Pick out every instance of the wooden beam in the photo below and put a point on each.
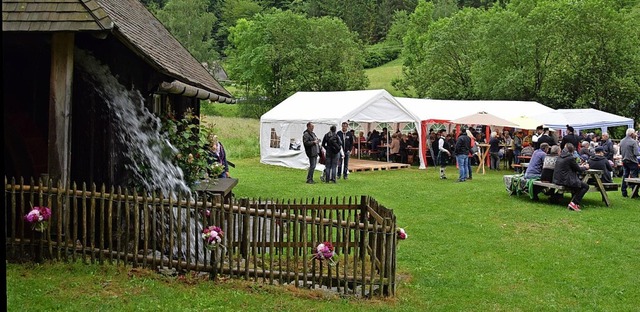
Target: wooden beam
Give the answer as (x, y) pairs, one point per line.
(60, 88)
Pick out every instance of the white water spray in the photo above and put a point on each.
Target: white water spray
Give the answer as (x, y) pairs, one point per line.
(148, 151)
(137, 129)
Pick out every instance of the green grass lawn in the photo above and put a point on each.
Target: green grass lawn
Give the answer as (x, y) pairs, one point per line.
(471, 247)
(381, 77)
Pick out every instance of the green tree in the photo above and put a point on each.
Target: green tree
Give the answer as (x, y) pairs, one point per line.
(414, 43)
(281, 52)
(191, 23)
(506, 65)
(439, 55)
(595, 62)
(232, 11)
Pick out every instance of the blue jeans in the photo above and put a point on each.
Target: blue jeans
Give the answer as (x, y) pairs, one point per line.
(463, 166)
(343, 164)
(312, 167)
(516, 153)
(330, 167)
(629, 170)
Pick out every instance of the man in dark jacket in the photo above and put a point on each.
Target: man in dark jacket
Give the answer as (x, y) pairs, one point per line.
(333, 145)
(311, 147)
(546, 138)
(347, 144)
(570, 137)
(607, 146)
(599, 162)
(463, 146)
(566, 174)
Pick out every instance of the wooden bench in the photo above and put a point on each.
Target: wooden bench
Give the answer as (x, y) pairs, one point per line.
(517, 167)
(560, 189)
(634, 183)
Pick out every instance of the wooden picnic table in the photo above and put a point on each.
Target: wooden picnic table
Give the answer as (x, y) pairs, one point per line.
(594, 174)
(634, 183)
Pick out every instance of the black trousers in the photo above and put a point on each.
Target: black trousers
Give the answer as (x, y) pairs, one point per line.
(578, 193)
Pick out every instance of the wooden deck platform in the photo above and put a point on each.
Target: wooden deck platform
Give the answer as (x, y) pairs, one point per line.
(372, 165)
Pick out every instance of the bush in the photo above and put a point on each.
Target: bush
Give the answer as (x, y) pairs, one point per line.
(191, 141)
(380, 54)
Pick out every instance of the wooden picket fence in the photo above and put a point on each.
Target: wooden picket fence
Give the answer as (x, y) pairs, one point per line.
(271, 241)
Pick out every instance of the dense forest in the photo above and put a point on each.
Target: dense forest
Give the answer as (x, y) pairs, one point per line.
(562, 53)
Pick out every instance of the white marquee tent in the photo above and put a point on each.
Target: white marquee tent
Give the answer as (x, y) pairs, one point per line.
(281, 128)
(430, 111)
(582, 118)
(427, 109)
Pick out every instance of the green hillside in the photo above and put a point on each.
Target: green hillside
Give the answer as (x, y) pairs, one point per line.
(381, 77)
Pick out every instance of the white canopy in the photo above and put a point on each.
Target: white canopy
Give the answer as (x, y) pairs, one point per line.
(281, 128)
(582, 118)
(439, 111)
(429, 109)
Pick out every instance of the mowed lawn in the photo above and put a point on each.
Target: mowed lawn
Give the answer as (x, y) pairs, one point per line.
(471, 247)
(381, 77)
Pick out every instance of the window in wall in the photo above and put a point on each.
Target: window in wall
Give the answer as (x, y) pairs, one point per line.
(409, 128)
(274, 142)
(357, 127)
(437, 127)
(385, 125)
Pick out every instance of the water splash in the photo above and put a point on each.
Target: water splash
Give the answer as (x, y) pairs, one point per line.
(138, 130)
(149, 153)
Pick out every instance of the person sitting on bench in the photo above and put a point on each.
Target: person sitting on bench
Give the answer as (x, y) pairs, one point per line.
(549, 164)
(566, 174)
(600, 162)
(534, 170)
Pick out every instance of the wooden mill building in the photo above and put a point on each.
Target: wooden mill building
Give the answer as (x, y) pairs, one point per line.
(55, 123)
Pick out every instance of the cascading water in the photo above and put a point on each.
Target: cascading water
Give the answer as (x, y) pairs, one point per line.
(148, 151)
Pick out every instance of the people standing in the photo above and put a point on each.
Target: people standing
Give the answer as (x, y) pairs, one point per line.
(347, 144)
(517, 146)
(607, 146)
(442, 150)
(629, 152)
(570, 137)
(566, 174)
(546, 138)
(472, 154)
(463, 146)
(218, 155)
(494, 150)
(536, 136)
(312, 148)
(333, 145)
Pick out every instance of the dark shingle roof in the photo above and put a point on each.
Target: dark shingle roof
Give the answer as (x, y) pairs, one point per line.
(130, 22)
(152, 41)
(54, 15)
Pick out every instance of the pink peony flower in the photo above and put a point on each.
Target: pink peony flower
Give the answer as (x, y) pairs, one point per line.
(212, 235)
(325, 251)
(402, 234)
(38, 217)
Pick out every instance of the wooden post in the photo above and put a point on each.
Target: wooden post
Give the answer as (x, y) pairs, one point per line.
(60, 106)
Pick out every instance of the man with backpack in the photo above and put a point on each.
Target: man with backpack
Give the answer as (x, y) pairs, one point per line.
(333, 145)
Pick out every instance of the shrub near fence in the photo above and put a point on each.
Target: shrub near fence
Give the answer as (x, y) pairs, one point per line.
(271, 241)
